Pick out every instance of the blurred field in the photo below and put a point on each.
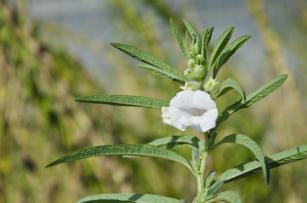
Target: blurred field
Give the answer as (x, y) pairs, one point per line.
(39, 119)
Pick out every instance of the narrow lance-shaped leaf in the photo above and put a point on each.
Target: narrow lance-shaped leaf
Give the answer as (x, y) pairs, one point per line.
(130, 197)
(159, 72)
(119, 150)
(229, 84)
(227, 52)
(253, 97)
(174, 141)
(217, 186)
(149, 59)
(206, 38)
(187, 39)
(203, 43)
(251, 145)
(275, 160)
(265, 90)
(178, 38)
(228, 196)
(190, 29)
(220, 45)
(209, 35)
(124, 100)
(209, 179)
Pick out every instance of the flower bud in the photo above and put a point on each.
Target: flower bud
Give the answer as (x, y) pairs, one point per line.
(191, 85)
(211, 85)
(199, 59)
(199, 72)
(191, 54)
(190, 74)
(191, 63)
(194, 49)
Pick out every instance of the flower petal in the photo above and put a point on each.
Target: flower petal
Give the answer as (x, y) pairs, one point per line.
(179, 119)
(183, 99)
(202, 100)
(207, 121)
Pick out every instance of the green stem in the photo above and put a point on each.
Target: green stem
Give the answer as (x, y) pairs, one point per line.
(201, 172)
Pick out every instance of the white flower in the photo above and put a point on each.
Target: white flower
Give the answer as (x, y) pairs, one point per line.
(192, 108)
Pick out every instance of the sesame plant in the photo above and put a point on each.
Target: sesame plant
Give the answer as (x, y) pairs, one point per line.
(194, 106)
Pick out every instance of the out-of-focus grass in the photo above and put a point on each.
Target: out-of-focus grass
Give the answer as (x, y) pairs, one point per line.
(40, 120)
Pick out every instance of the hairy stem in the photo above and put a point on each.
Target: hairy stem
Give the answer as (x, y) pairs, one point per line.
(200, 173)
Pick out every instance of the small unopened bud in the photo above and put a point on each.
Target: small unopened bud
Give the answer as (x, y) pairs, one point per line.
(191, 54)
(199, 72)
(191, 63)
(190, 74)
(199, 59)
(194, 49)
(211, 85)
(191, 85)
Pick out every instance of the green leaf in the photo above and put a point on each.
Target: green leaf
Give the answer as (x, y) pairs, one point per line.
(149, 59)
(174, 141)
(110, 201)
(217, 186)
(178, 38)
(187, 39)
(209, 35)
(203, 43)
(275, 160)
(220, 45)
(129, 197)
(229, 84)
(265, 90)
(228, 52)
(228, 196)
(209, 179)
(190, 29)
(124, 100)
(159, 72)
(205, 39)
(119, 150)
(251, 145)
(253, 97)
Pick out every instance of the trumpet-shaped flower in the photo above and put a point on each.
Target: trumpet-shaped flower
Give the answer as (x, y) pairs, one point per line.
(192, 108)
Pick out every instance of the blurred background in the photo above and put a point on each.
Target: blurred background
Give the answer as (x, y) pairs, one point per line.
(54, 51)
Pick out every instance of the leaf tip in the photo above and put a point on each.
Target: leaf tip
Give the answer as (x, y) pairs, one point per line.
(79, 99)
(49, 165)
(114, 44)
(247, 37)
(231, 28)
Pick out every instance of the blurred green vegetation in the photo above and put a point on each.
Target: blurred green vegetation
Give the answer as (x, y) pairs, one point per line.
(39, 119)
